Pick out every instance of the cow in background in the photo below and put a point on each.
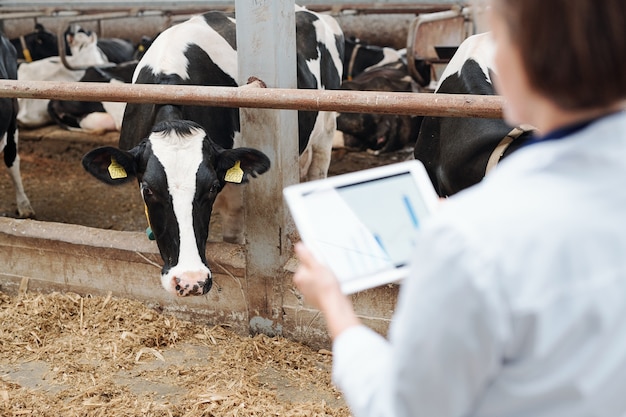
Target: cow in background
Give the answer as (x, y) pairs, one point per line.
(42, 44)
(458, 152)
(360, 56)
(36, 45)
(142, 47)
(184, 156)
(94, 116)
(379, 133)
(116, 50)
(8, 128)
(34, 112)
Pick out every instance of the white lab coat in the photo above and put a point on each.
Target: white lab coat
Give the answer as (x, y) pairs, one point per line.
(516, 305)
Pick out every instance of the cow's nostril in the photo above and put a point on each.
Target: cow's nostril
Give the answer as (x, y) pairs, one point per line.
(207, 285)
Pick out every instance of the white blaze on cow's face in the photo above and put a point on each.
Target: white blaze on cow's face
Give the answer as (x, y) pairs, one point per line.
(181, 157)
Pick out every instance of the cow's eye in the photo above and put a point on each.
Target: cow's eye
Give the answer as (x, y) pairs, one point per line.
(147, 192)
(215, 188)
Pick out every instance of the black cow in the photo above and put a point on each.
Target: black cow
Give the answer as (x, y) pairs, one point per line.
(379, 133)
(93, 116)
(36, 45)
(8, 128)
(458, 152)
(183, 156)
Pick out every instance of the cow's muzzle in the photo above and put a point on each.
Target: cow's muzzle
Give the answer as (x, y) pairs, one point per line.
(192, 283)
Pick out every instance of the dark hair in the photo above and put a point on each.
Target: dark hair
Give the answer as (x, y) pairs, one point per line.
(574, 51)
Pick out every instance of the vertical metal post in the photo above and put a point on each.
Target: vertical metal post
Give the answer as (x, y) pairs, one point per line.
(266, 49)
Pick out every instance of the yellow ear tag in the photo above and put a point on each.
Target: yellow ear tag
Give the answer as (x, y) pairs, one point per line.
(27, 56)
(235, 174)
(116, 171)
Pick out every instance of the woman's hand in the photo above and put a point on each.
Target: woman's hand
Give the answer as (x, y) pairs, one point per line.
(314, 280)
(320, 288)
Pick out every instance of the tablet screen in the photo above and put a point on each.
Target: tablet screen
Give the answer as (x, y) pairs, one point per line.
(365, 227)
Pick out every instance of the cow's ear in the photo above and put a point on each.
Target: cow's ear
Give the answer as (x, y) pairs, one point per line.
(236, 165)
(110, 165)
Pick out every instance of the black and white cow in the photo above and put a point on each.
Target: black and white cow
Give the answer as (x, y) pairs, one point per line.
(36, 45)
(458, 152)
(42, 44)
(379, 133)
(94, 116)
(361, 56)
(34, 112)
(116, 50)
(183, 156)
(8, 128)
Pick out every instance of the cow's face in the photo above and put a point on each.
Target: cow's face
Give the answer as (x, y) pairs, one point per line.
(78, 39)
(180, 171)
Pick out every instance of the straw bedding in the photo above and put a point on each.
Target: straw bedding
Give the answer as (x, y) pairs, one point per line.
(63, 354)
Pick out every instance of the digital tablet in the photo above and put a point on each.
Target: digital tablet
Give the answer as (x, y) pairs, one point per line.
(363, 224)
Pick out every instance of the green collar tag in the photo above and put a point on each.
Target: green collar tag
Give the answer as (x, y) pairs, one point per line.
(149, 231)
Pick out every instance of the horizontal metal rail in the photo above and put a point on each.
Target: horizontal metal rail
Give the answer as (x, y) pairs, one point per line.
(425, 104)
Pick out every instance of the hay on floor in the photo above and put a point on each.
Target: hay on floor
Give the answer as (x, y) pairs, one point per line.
(62, 354)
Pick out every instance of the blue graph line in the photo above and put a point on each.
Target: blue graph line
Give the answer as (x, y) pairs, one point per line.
(380, 243)
(409, 209)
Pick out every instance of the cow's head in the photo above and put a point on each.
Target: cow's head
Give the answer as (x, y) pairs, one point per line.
(41, 43)
(77, 39)
(180, 171)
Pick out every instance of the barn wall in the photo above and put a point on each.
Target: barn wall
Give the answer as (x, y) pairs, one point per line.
(65, 257)
(382, 28)
(377, 29)
(44, 257)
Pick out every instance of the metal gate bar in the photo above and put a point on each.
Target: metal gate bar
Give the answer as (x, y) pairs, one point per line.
(426, 104)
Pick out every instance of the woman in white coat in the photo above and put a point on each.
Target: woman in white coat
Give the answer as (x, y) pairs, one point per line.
(517, 298)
